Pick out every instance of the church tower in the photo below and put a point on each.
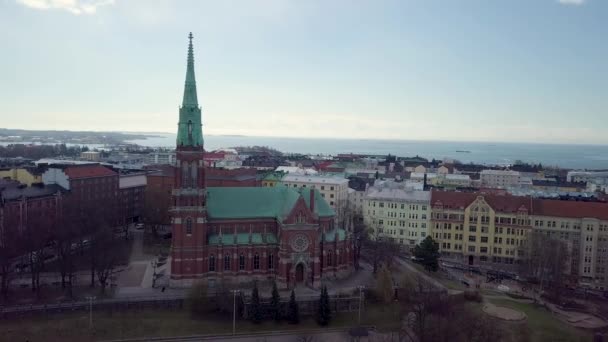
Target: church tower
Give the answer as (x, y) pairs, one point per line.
(189, 209)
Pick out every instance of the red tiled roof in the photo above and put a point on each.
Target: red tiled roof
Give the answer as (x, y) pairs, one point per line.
(571, 209)
(88, 171)
(511, 204)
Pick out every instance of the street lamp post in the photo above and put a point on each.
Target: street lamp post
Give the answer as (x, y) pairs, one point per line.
(91, 298)
(361, 287)
(154, 265)
(234, 292)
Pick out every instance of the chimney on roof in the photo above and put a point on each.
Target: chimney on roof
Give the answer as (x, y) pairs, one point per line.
(312, 200)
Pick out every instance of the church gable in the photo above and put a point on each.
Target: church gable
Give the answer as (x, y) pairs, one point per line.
(300, 213)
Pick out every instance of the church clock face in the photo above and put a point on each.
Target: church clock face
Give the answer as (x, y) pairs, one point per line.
(299, 243)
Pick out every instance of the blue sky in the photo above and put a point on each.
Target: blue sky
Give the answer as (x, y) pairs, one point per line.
(473, 70)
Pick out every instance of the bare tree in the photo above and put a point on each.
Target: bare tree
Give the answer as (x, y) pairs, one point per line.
(9, 235)
(36, 235)
(66, 244)
(109, 252)
(430, 314)
(156, 209)
(380, 250)
(545, 260)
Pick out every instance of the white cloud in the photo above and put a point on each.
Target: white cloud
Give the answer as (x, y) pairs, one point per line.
(76, 7)
(571, 2)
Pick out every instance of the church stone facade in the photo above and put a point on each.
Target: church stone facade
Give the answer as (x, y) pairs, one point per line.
(240, 234)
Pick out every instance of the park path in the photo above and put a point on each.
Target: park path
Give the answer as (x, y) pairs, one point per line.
(405, 265)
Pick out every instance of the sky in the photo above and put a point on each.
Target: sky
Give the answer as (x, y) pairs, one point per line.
(458, 70)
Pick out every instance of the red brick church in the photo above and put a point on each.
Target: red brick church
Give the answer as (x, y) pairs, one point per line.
(241, 234)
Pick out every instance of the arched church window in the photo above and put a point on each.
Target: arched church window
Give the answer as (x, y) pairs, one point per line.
(227, 262)
(212, 263)
(189, 226)
(193, 174)
(241, 262)
(270, 261)
(185, 175)
(190, 131)
(256, 261)
(329, 258)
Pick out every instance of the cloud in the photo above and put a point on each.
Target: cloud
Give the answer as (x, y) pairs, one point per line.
(76, 7)
(571, 2)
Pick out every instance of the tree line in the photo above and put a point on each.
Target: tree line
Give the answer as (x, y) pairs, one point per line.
(75, 237)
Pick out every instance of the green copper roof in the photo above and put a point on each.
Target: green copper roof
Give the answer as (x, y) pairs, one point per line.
(330, 236)
(274, 176)
(243, 239)
(189, 128)
(260, 202)
(321, 207)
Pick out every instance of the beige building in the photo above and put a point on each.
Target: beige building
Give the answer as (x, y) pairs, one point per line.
(490, 231)
(90, 155)
(499, 178)
(22, 175)
(399, 213)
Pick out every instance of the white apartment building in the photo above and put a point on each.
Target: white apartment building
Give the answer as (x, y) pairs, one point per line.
(454, 180)
(595, 177)
(499, 178)
(355, 201)
(398, 213)
(161, 158)
(333, 189)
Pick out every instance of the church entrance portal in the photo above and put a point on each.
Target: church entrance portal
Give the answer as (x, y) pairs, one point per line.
(299, 273)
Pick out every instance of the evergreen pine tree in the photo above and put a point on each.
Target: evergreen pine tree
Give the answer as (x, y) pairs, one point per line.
(275, 303)
(293, 311)
(255, 309)
(324, 311)
(428, 254)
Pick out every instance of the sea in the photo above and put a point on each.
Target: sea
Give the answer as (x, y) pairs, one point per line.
(572, 156)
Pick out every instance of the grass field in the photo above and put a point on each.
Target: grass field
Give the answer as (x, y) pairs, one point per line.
(542, 325)
(150, 323)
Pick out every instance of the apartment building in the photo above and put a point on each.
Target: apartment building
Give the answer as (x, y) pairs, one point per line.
(595, 177)
(499, 178)
(491, 230)
(399, 213)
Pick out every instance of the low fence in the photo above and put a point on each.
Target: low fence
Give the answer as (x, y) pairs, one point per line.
(110, 305)
(307, 305)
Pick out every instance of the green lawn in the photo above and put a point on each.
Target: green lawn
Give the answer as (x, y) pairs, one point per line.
(542, 325)
(150, 323)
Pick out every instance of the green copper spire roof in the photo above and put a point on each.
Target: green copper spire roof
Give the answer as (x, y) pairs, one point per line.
(190, 88)
(189, 128)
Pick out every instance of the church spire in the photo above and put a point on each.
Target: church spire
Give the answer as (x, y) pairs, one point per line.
(189, 127)
(190, 98)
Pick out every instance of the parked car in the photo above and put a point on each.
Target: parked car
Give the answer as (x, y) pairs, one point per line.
(139, 226)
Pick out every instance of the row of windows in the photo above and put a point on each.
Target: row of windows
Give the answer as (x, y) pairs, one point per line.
(392, 205)
(227, 264)
(331, 188)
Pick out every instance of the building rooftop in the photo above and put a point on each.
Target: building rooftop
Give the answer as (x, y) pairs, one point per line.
(88, 171)
(38, 190)
(500, 172)
(260, 202)
(457, 177)
(512, 204)
(314, 179)
(397, 194)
